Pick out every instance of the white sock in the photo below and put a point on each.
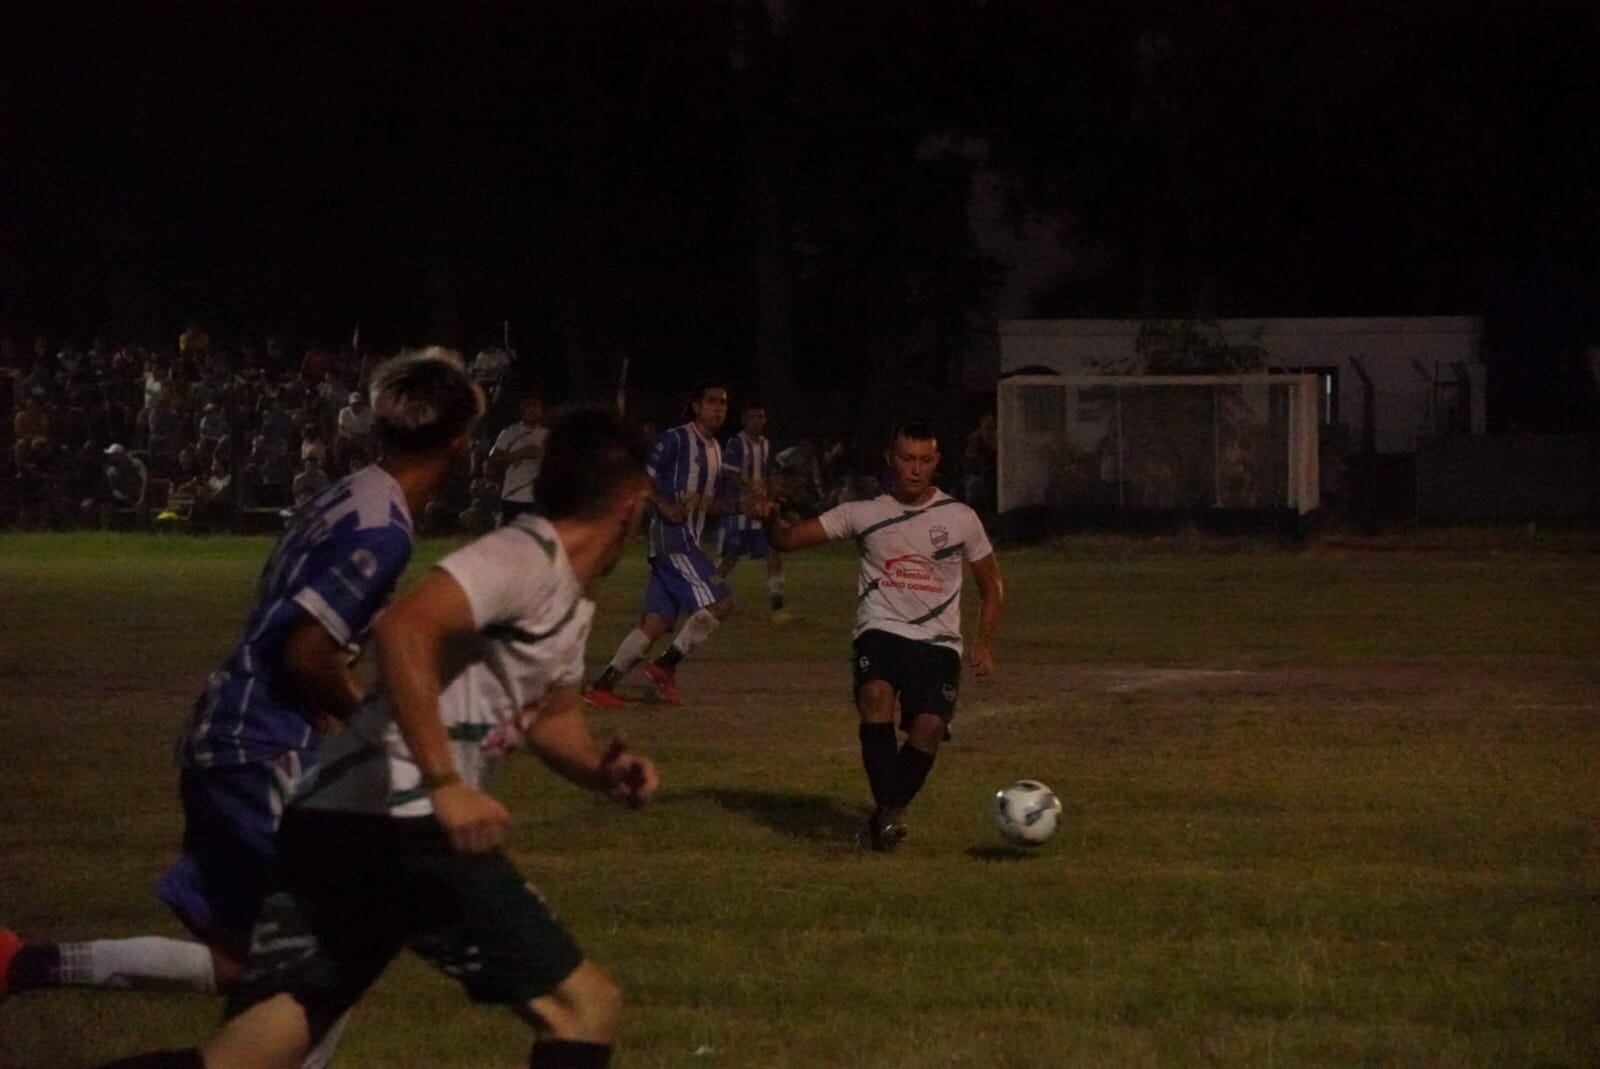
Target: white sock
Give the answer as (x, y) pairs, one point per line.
(695, 630)
(775, 585)
(139, 962)
(322, 1053)
(630, 653)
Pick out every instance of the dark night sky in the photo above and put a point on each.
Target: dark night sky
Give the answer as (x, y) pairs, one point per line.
(601, 173)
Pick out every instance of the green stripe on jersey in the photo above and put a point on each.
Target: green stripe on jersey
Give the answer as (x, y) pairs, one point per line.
(910, 514)
(333, 771)
(400, 798)
(513, 633)
(936, 610)
(545, 544)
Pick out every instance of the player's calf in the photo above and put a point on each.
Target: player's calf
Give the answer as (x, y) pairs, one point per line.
(577, 1021)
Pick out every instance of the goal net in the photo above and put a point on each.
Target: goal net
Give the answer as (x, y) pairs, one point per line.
(1121, 443)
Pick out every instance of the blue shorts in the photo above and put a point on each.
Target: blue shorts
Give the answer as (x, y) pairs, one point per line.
(683, 583)
(741, 541)
(230, 845)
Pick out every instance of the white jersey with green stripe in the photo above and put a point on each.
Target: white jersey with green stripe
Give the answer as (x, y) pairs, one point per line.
(909, 580)
(532, 624)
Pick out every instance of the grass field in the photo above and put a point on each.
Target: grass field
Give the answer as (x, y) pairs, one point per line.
(1330, 806)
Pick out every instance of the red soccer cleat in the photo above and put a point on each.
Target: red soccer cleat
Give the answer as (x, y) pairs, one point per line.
(604, 699)
(9, 945)
(665, 681)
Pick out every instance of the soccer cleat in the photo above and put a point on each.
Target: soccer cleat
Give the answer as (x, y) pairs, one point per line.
(665, 681)
(883, 833)
(10, 943)
(604, 699)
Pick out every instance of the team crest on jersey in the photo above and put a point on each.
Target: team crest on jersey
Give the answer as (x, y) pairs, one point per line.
(949, 692)
(938, 536)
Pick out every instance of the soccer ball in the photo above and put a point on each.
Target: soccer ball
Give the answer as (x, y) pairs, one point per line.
(1027, 812)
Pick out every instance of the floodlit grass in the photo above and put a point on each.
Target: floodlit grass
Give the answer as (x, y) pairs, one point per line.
(1334, 806)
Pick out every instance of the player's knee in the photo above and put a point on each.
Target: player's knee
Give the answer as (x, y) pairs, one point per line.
(722, 609)
(586, 1006)
(927, 732)
(875, 701)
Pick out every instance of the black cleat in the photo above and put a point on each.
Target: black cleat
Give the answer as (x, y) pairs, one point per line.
(882, 833)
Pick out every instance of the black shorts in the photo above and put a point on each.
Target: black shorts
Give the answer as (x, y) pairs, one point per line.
(925, 676)
(357, 888)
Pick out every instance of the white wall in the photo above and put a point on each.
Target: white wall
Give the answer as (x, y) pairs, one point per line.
(1402, 354)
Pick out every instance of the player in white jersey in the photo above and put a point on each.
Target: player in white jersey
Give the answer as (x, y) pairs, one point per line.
(687, 488)
(907, 643)
(253, 731)
(747, 456)
(515, 457)
(393, 843)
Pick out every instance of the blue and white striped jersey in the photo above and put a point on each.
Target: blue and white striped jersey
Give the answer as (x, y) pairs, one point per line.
(750, 459)
(686, 467)
(339, 561)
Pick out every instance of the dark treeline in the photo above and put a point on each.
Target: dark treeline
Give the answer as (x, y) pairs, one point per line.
(785, 187)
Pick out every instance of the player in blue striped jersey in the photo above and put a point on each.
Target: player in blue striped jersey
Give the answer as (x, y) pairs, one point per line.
(254, 730)
(687, 488)
(747, 457)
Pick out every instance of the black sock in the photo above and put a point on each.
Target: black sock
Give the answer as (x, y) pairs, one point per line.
(777, 602)
(877, 757)
(670, 657)
(910, 772)
(163, 1059)
(608, 679)
(569, 1054)
(34, 965)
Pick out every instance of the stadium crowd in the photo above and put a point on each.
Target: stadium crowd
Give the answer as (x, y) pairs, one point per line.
(217, 437)
(208, 435)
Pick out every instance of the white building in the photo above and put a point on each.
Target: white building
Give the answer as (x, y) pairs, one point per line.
(1389, 380)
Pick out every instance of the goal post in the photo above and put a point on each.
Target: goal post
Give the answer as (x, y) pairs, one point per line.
(1108, 444)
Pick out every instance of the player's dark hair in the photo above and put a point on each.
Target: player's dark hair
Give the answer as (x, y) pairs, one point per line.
(698, 392)
(423, 401)
(755, 402)
(915, 430)
(591, 454)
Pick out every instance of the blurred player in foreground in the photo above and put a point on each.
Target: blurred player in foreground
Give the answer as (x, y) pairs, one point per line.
(255, 729)
(392, 842)
(907, 645)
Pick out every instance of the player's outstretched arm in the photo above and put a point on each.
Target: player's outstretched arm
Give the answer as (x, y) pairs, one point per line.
(560, 736)
(991, 598)
(787, 537)
(409, 638)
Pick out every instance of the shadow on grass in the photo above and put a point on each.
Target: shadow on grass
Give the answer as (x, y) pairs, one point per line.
(999, 853)
(802, 816)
